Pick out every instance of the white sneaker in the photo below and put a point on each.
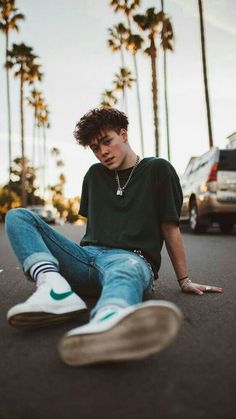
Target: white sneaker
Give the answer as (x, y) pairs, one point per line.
(131, 333)
(45, 307)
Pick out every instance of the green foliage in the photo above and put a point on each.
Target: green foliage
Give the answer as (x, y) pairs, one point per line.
(9, 16)
(22, 60)
(73, 209)
(10, 194)
(108, 99)
(8, 200)
(32, 192)
(59, 202)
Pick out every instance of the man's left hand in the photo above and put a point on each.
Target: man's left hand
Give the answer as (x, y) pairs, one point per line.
(199, 289)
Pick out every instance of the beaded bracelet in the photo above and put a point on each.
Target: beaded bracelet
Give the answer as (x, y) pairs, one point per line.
(181, 279)
(186, 284)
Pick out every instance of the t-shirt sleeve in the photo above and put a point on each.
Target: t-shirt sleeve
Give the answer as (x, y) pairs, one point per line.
(169, 193)
(84, 199)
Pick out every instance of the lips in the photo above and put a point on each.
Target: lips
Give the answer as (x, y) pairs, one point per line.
(109, 160)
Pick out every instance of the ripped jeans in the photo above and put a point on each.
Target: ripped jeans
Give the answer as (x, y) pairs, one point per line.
(117, 276)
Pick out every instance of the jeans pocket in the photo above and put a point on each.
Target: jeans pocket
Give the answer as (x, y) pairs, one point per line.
(150, 277)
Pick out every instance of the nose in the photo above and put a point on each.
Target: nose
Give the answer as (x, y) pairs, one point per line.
(104, 150)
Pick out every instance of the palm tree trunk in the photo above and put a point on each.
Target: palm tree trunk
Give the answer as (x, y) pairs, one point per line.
(44, 161)
(34, 136)
(23, 176)
(139, 104)
(8, 112)
(40, 160)
(34, 147)
(166, 108)
(204, 65)
(124, 93)
(166, 96)
(153, 54)
(138, 95)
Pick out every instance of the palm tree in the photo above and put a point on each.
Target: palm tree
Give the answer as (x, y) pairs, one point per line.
(154, 23)
(133, 44)
(108, 99)
(37, 102)
(123, 80)
(116, 41)
(128, 6)
(55, 152)
(22, 59)
(164, 33)
(43, 122)
(204, 66)
(9, 18)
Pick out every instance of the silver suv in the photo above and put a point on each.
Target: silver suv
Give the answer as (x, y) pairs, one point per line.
(209, 189)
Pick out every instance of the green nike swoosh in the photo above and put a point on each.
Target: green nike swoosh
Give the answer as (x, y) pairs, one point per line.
(60, 296)
(107, 316)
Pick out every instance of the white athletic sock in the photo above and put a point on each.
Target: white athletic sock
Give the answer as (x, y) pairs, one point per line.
(42, 267)
(46, 272)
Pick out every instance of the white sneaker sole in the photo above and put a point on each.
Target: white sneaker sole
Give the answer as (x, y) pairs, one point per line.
(141, 333)
(34, 319)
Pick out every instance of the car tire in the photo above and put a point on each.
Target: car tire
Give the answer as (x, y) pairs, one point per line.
(194, 223)
(226, 226)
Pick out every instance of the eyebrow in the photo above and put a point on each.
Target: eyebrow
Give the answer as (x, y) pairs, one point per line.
(102, 138)
(99, 141)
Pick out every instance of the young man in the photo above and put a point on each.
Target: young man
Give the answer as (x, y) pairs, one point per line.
(132, 205)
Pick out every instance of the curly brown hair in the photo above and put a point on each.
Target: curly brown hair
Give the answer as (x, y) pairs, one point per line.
(91, 125)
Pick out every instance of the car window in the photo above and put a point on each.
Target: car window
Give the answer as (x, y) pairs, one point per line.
(227, 160)
(195, 166)
(188, 169)
(207, 157)
(205, 160)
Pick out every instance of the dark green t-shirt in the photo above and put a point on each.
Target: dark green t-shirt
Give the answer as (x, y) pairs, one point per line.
(131, 221)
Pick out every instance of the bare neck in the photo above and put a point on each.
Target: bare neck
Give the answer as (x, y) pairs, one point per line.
(130, 160)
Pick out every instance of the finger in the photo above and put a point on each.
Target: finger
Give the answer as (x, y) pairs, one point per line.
(208, 288)
(197, 290)
(192, 288)
(202, 287)
(216, 289)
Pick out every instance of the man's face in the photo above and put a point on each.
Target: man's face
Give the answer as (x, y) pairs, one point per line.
(111, 149)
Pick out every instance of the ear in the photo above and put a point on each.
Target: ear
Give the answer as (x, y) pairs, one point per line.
(124, 134)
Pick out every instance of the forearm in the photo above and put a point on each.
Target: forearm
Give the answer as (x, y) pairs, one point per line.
(175, 248)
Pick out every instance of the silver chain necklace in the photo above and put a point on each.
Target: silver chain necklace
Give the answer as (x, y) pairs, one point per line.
(120, 190)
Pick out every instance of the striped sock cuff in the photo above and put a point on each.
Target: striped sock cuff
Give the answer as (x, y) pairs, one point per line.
(42, 267)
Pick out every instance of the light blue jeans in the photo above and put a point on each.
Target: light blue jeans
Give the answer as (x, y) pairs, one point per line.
(117, 276)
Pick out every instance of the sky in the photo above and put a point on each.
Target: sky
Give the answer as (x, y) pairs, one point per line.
(70, 39)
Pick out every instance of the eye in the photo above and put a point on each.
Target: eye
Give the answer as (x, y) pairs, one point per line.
(94, 149)
(107, 141)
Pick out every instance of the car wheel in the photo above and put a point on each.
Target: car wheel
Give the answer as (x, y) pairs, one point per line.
(226, 226)
(194, 221)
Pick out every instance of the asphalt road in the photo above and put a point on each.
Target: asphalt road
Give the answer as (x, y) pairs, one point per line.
(195, 378)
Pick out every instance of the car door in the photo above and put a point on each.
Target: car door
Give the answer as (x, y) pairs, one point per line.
(186, 181)
(226, 178)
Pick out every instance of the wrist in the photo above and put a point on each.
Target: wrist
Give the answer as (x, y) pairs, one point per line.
(183, 278)
(185, 283)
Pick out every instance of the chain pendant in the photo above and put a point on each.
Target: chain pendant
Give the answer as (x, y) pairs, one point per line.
(119, 192)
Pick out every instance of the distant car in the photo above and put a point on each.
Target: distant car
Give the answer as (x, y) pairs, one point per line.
(48, 215)
(209, 189)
